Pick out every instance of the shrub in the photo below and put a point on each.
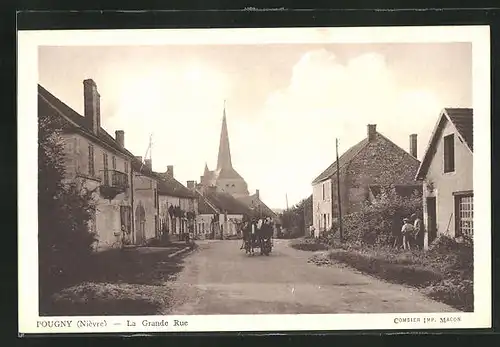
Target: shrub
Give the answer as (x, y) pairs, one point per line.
(311, 245)
(377, 221)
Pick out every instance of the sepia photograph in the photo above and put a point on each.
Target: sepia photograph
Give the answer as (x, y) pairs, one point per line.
(320, 178)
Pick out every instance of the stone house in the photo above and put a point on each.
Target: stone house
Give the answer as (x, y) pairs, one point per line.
(178, 205)
(447, 175)
(220, 214)
(375, 160)
(97, 161)
(145, 202)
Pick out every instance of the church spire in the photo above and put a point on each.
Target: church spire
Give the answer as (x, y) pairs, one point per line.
(224, 158)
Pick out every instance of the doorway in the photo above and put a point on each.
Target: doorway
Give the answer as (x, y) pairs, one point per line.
(431, 218)
(140, 226)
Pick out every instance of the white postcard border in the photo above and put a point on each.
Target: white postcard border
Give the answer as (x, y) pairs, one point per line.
(28, 43)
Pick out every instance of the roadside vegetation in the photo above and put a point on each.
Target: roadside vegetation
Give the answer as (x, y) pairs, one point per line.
(444, 272)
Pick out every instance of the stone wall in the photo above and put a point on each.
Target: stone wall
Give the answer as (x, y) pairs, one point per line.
(381, 162)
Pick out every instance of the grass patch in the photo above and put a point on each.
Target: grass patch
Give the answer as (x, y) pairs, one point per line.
(115, 282)
(442, 273)
(311, 245)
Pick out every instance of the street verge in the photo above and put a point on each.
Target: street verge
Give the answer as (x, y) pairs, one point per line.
(444, 273)
(119, 282)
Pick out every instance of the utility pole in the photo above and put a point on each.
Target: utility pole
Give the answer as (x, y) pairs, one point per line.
(338, 190)
(286, 197)
(305, 224)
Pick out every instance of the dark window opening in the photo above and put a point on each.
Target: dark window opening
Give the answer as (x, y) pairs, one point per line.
(91, 161)
(449, 153)
(105, 165)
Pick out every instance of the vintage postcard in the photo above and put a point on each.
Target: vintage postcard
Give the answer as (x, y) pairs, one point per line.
(200, 180)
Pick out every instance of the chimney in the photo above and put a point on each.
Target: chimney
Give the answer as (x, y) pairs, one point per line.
(170, 171)
(257, 193)
(148, 163)
(191, 185)
(372, 131)
(92, 105)
(413, 145)
(138, 157)
(120, 137)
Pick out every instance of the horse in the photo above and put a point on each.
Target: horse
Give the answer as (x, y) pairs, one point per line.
(248, 238)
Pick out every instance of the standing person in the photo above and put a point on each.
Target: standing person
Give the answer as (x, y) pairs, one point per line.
(246, 233)
(397, 237)
(419, 232)
(406, 232)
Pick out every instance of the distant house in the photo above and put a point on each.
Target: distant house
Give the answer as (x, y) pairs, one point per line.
(375, 160)
(178, 205)
(97, 161)
(446, 171)
(220, 213)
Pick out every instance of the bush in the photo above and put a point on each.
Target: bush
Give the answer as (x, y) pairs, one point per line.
(378, 221)
(311, 245)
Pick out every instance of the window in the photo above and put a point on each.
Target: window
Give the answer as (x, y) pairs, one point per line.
(91, 161)
(449, 153)
(464, 209)
(105, 165)
(323, 187)
(155, 198)
(113, 161)
(126, 166)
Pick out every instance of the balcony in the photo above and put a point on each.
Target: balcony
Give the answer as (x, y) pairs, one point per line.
(113, 183)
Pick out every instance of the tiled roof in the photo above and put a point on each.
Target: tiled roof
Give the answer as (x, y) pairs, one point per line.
(401, 190)
(344, 159)
(79, 120)
(171, 187)
(248, 200)
(462, 120)
(204, 207)
(226, 202)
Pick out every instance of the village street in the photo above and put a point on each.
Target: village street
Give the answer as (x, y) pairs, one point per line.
(219, 278)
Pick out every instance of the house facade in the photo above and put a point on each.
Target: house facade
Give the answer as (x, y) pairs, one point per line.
(447, 175)
(221, 214)
(96, 161)
(146, 203)
(178, 205)
(375, 160)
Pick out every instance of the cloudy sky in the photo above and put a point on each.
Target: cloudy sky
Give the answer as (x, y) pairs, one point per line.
(285, 104)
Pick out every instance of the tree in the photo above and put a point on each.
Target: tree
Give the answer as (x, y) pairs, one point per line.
(298, 217)
(64, 210)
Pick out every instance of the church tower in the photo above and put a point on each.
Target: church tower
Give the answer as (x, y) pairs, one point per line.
(225, 177)
(224, 158)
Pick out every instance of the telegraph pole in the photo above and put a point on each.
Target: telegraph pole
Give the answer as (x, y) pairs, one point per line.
(338, 190)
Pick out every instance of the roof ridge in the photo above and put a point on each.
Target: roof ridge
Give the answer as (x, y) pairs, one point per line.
(363, 143)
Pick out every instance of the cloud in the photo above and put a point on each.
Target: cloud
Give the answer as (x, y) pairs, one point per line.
(291, 141)
(324, 100)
